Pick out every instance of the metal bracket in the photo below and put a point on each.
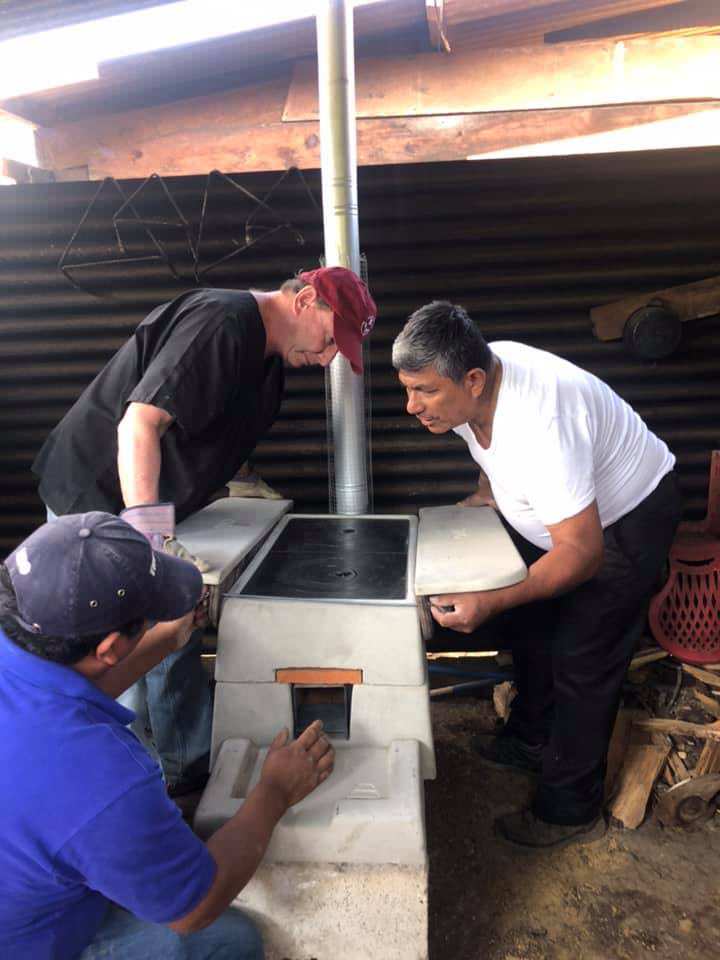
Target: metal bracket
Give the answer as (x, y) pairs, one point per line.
(127, 203)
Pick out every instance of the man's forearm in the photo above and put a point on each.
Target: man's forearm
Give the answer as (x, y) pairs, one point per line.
(237, 848)
(139, 460)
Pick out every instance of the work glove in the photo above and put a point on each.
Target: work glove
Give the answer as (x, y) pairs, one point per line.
(252, 485)
(156, 521)
(176, 549)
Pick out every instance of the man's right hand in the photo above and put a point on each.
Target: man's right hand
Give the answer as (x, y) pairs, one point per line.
(296, 768)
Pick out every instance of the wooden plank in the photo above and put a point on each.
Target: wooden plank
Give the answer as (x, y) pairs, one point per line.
(695, 16)
(649, 656)
(690, 301)
(196, 136)
(24, 172)
(677, 766)
(711, 679)
(709, 760)
(510, 22)
(624, 732)
(708, 703)
(462, 11)
(681, 728)
(523, 78)
(637, 777)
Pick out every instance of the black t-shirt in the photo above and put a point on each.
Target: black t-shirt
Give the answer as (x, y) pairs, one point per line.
(202, 359)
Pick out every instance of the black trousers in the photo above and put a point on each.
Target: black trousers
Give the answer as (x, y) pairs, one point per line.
(571, 655)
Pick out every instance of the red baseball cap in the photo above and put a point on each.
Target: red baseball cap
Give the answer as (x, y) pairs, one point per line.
(353, 308)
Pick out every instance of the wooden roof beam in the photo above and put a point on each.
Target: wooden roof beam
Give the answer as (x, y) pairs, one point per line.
(539, 78)
(687, 18)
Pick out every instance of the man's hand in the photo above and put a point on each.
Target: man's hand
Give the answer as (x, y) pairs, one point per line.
(478, 499)
(466, 611)
(291, 771)
(295, 769)
(575, 557)
(252, 485)
(179, 631)
(482, 497)
(176, 549)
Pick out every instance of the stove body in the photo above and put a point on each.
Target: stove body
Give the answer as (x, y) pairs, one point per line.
(324, 622)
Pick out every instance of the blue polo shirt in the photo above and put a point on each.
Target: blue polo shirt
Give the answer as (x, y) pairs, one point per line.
(84, 816)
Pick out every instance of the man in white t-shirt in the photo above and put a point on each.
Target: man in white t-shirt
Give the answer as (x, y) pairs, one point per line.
(590, 498)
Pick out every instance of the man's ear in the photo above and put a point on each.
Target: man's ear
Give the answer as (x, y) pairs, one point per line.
(305, 298)
(475, 381)
(114, 648)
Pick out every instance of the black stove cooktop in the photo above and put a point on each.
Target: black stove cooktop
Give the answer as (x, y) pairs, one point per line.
(339, 558)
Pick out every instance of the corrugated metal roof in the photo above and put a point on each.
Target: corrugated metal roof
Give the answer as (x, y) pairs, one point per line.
(528, 246)
(18, 17)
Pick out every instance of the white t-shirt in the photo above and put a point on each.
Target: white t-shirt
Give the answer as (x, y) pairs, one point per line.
(561, 438)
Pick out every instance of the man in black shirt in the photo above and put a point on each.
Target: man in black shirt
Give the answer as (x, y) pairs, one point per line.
(172, 417)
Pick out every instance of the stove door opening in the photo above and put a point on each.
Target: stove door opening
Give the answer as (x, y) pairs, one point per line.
(331, 704)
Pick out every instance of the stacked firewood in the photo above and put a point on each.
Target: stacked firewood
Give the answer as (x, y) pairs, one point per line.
(673, 758)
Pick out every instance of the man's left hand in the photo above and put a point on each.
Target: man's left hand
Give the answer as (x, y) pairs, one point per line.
(467, 610)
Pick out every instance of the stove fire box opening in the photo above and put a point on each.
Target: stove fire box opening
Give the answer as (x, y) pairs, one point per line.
(330, 704)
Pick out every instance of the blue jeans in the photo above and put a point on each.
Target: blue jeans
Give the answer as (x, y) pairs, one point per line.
(122, 936)
(173, 712)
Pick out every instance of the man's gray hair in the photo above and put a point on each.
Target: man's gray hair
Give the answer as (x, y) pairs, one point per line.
(441, 335)
(295, 285)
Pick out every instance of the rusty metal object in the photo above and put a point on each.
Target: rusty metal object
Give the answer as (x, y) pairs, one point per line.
(689, 803)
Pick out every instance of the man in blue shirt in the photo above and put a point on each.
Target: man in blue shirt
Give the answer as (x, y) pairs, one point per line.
(95, 860)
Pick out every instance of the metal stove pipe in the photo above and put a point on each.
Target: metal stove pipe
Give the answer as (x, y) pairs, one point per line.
(338, 153)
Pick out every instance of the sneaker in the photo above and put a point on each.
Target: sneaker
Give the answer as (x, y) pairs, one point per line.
(508, 753)
(524, 829)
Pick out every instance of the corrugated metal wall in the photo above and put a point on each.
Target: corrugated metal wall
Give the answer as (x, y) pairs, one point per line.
(528, 246)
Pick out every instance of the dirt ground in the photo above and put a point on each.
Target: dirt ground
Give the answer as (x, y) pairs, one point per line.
(635, 894)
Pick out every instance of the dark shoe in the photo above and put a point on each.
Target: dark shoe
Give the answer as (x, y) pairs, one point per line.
(524, 829)
(508, 753)
(184, 787)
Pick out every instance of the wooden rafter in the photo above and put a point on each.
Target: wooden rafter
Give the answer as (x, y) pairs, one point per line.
(547, 78)
(525, 22)
(689, 18)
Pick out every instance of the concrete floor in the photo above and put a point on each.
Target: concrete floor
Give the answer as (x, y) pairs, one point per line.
(634, 894)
